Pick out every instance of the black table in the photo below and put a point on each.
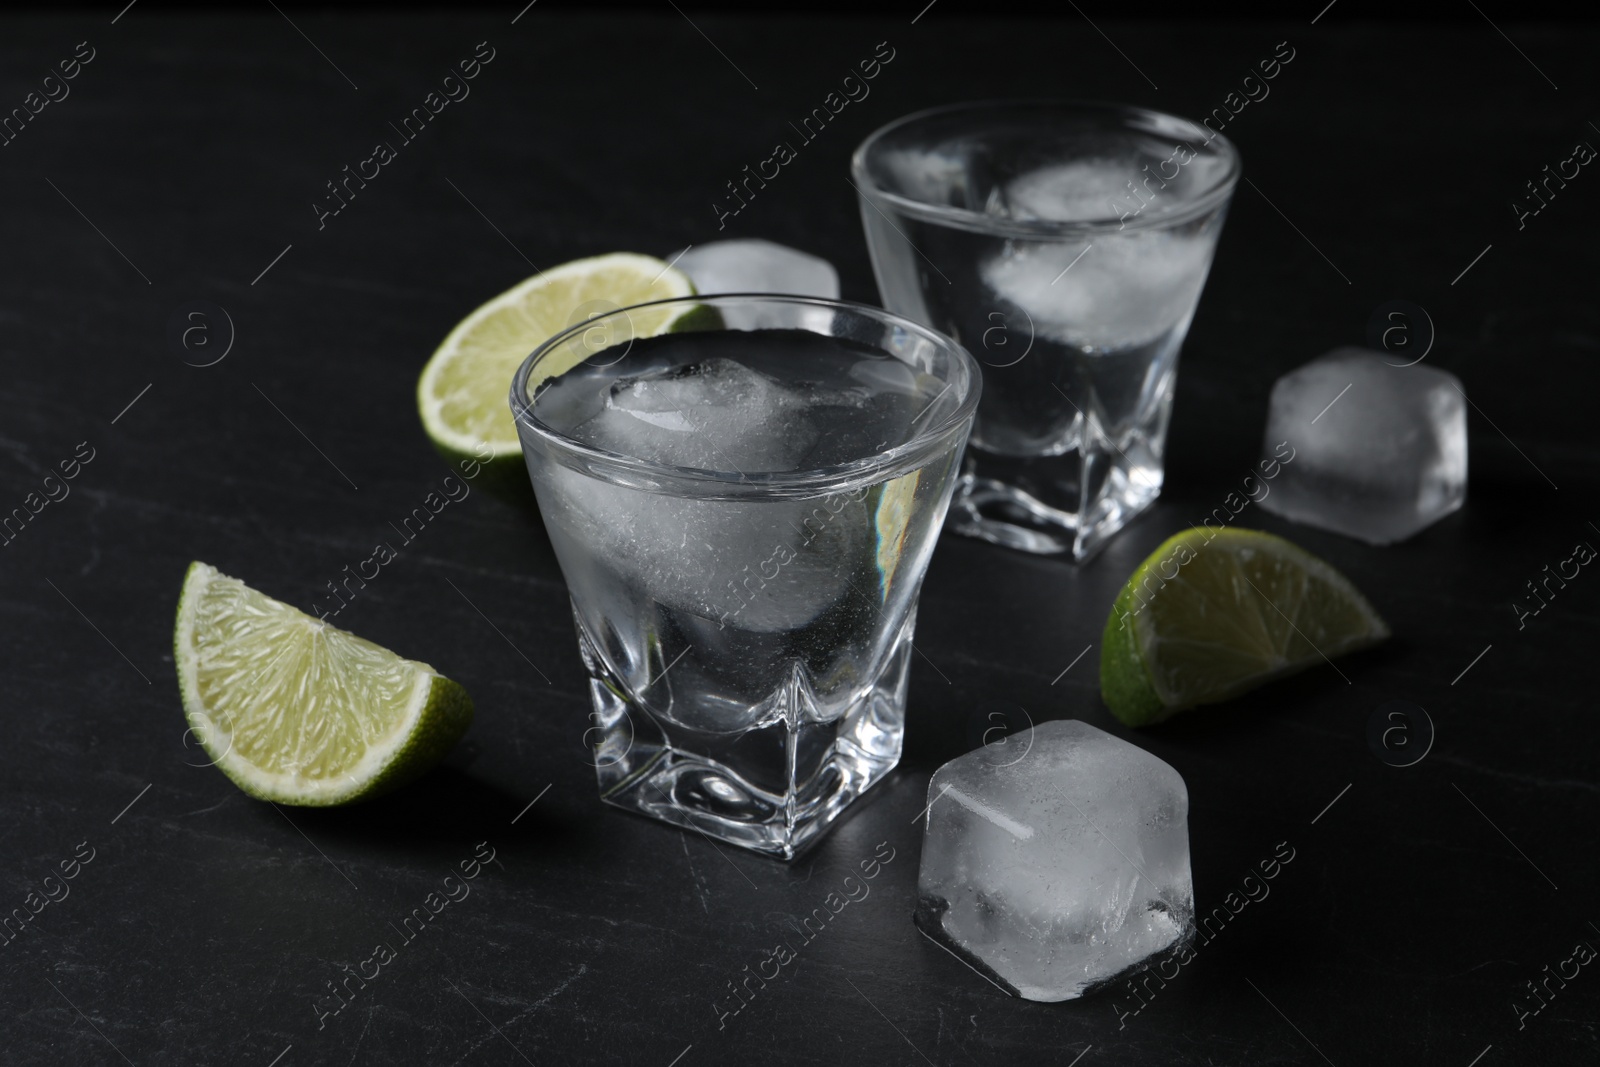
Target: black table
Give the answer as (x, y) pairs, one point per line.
(184, 164)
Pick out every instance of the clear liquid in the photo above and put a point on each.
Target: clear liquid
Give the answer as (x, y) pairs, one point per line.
(748, 653)
(1078, 337)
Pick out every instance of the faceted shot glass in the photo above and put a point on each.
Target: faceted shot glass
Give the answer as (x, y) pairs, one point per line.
(747, 631)
(1065, 245)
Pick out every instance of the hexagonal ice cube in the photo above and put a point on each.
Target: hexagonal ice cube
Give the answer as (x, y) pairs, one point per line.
(1365, 447)
(1057, 861)
(752, 265)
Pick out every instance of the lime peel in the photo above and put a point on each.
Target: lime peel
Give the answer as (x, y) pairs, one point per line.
(1210, 615)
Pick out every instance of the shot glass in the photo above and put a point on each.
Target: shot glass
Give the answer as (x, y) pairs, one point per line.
(743, 515)
(1065, 245)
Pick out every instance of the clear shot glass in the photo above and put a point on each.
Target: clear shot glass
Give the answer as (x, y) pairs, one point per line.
(743, 515)
(1065, 245)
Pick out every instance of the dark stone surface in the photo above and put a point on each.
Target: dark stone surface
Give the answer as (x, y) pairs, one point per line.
(1417, 906)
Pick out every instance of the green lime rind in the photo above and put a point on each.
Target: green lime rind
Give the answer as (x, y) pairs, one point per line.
(1211, 615)
(356, 722)
(1124, 679)
(699, 318)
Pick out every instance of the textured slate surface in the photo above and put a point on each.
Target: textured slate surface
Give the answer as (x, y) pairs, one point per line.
(183, 166)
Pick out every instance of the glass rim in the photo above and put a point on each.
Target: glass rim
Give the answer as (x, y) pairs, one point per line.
(912, 454)
(982, 222)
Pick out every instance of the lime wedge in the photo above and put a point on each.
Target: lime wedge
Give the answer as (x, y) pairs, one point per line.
(462, 393)
(1212, 614)
(298, 712)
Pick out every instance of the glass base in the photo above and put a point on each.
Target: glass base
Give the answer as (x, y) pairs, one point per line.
(1036, 504)
(774, 788)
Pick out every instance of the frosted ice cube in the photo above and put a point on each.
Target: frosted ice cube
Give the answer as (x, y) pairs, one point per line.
(1083, 190)
(1379, 450)
(1080, 190)
(1109, 292)
(767, 566)
(751, 265)
(717, 414)
(1061, 868)
(764, 567)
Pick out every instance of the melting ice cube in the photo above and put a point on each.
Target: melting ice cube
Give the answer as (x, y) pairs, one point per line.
(1078, 190)
(1379, 451)
(717, 414)
(758, 565)
(1105, 290)
(751, 265)
(1058, 869)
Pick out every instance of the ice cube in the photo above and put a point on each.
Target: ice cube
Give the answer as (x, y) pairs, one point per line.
(1058, 860)
(765, 566)
(1083, 190)
(1080, 190)
(717, 414)
(1368, 448)
(1108, 292)
(751, 265)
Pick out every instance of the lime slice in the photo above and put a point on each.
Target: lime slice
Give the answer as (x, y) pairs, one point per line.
(462, 393)
(1212, 614)
(296, 711)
